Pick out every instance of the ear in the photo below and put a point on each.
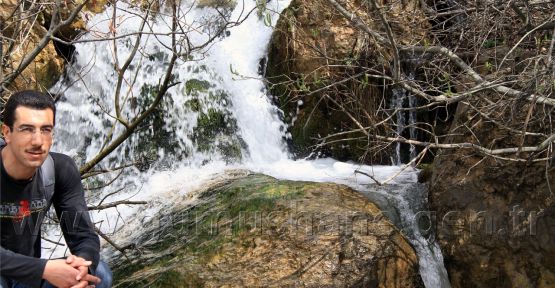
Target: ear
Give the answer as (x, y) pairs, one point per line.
(6, 133)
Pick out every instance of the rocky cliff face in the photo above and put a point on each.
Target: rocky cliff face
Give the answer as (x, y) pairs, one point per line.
(314, 54)
(495, 219)
(23, 29)
(257, 231)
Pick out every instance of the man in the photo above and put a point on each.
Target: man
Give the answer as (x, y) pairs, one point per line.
(28, 125)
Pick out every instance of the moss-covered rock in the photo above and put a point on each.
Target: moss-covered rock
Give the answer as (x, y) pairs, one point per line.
(194, 87)
(154, 134)
(259, 231)
(216, 128)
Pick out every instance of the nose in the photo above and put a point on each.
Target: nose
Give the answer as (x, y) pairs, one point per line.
(37, 139)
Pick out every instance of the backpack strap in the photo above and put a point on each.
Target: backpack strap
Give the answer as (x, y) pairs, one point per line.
(48, 178)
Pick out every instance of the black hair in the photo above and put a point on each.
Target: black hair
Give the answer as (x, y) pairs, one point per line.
(30, 99)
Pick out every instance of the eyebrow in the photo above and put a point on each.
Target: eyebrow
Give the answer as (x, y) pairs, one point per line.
(43, 126)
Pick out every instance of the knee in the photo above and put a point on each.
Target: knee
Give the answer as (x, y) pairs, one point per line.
(105, 274)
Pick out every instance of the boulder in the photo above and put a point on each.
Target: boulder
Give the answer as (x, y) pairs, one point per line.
(254, 230)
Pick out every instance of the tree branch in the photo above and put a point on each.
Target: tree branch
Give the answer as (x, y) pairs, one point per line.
(30, 57)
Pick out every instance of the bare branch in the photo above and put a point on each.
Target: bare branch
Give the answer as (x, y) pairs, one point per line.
(116, 203)
(446, 52)
(55, 25)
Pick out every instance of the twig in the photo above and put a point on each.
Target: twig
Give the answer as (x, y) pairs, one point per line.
(30, 57)
(446, 52)
(420, 155)
(117, 247)
(368, 175)
(520, 41)
(114, 204)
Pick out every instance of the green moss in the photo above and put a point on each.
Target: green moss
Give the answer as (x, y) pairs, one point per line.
(170, 278)
(209, 125)
(122, 271)
(154, 133)
(194, 86)
(222, 217)
(426, 172)
(490, 43)
(232, 150)
(158, 57)
(228, 4)
(166, 278)
(193, 104)
(218, 127)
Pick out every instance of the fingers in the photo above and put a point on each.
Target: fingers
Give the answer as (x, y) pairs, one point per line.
(83, 270)
(76, 261)
(92, 279)
(59, 273)
(81, 284)
(83, 276)
(86, 280)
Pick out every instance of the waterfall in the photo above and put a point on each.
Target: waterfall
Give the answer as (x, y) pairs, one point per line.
(398, 96)
(401, 99)
(218, 116)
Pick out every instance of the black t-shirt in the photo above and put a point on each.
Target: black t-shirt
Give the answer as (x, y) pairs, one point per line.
(22, 210)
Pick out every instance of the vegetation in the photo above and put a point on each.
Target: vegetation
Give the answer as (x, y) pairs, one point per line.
(491, 62)
(197, 233)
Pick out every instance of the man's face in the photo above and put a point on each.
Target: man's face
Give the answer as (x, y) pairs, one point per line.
(30, 138)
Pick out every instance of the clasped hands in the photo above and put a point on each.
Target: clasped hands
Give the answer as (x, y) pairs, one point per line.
(72, 272)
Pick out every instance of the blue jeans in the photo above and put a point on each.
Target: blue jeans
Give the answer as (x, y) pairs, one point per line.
(102, 271)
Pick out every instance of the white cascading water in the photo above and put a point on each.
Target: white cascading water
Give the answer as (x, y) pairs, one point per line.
(412, 123)
(222, 81)
(397, 99)
(401, 99)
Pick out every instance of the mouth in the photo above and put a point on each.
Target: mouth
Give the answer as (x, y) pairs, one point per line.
(35, 154)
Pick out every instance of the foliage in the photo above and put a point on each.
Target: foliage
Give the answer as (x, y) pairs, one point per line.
(492, 61)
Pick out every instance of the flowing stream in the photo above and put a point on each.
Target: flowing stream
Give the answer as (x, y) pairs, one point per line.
(217, 117)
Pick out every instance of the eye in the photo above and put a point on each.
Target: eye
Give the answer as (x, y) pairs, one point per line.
(46, 130)
(26, 129)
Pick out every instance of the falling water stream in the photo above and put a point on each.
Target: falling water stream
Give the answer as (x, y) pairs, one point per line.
(217, 117)
(401, 100)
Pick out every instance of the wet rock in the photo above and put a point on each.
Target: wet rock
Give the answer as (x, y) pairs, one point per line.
(259, 231)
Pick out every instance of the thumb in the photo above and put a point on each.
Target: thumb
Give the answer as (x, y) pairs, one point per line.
(69, 259)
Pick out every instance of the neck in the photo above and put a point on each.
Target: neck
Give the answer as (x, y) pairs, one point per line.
(12, 169)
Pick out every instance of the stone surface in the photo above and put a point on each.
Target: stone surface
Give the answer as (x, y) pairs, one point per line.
(48, 65)
(496, 219)
(315, 47)
(258, 231)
